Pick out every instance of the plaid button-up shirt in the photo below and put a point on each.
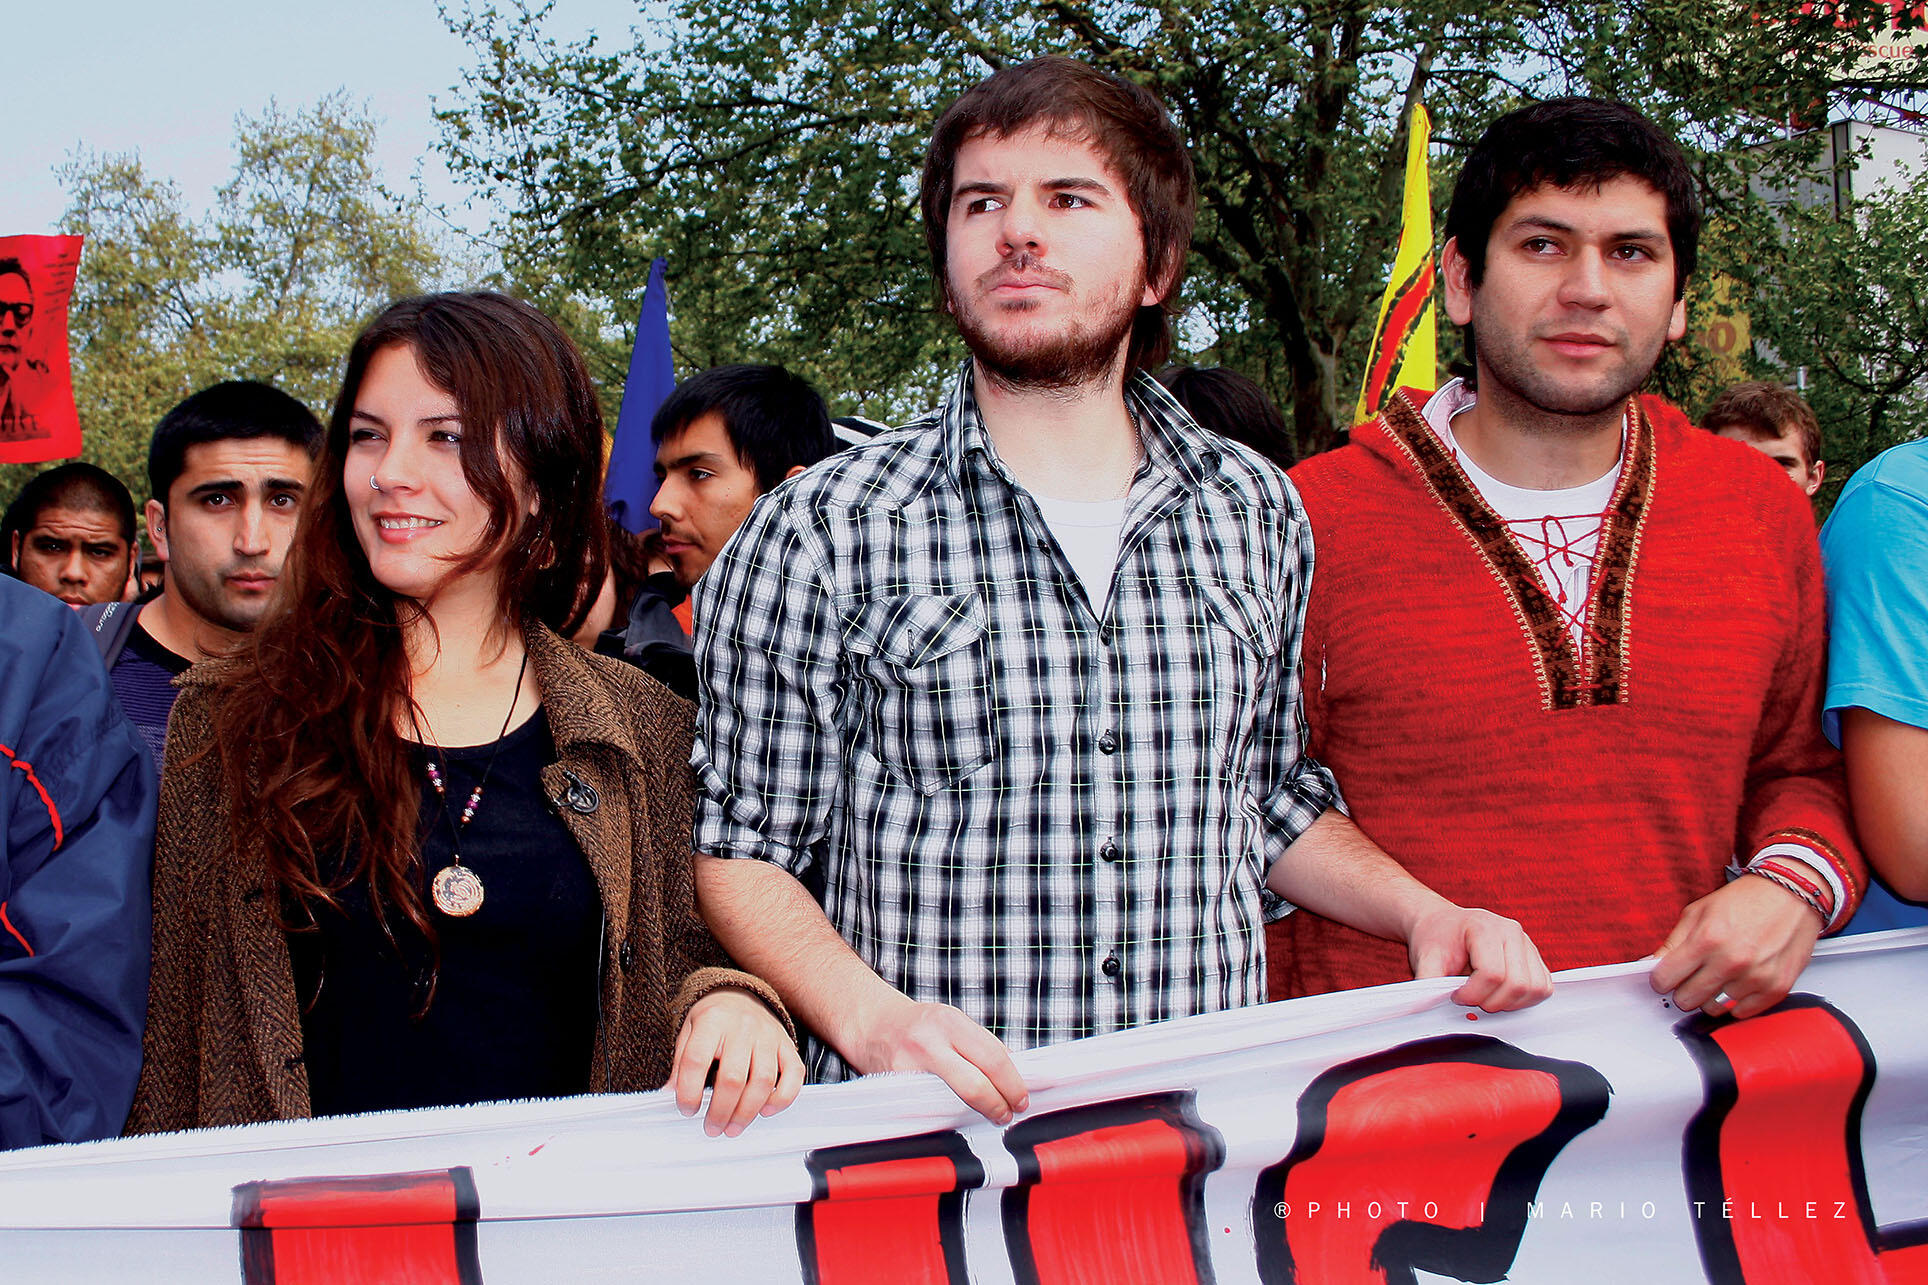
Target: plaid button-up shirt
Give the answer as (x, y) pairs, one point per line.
(1057, 820)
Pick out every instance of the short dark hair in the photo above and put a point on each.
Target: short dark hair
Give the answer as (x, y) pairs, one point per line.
(1572, 143)
(11, 266)
(235, 410)
(75, 485)
(1764, 410)
(1124, 121)
(1229, 404)
(775, 419)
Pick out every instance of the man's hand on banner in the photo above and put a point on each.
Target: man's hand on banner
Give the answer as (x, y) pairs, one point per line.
(1502, 966)
(909, 1036)
(1737, 951)
(770, 925)
(1334, 869)
(758, 1071)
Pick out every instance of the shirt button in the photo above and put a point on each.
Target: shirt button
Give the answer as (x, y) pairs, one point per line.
(1108, 742)
(1111, 967)
(1110, 850)
(626, 956)
(1105, 633)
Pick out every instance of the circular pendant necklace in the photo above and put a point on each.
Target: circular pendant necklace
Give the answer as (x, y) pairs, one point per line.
(456, 889)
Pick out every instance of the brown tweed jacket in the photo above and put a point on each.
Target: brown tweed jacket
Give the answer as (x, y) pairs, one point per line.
(223, 1042)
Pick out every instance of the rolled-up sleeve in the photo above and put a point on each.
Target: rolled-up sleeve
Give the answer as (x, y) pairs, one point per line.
(1294, 789)
(768, 751)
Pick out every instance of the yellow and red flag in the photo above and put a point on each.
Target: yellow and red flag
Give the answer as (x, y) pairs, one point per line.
(1403, 345)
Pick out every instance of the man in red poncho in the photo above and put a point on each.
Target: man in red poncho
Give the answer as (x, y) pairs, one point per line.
(1564, 652)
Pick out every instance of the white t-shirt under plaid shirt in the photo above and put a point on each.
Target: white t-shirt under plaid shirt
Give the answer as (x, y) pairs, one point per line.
(1058, 822)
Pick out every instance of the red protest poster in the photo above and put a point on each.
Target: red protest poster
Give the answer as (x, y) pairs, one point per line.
(37, 418)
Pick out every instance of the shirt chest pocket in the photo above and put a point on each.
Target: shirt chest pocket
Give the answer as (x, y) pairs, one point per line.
(1243, 658)
(922, 665)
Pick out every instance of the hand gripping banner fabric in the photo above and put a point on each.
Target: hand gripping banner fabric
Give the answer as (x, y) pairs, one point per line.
(1383, 1137)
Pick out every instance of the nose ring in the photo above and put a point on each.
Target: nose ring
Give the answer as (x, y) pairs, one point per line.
(372, 482)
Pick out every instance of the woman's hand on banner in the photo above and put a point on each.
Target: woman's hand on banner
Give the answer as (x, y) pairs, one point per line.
(758, 1071)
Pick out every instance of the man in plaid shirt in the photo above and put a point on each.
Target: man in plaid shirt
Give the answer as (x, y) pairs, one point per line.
(1020, 682)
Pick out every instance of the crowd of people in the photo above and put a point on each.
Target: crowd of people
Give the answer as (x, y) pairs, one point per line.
(1064, 709)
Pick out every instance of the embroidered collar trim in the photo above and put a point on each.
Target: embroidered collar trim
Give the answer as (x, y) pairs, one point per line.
(1597, 673)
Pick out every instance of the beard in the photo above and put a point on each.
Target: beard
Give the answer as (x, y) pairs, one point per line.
(1083, 351)
(205, 596)
(1505, 366)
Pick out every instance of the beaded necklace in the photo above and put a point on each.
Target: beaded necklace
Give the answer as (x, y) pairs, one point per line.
(456, 889)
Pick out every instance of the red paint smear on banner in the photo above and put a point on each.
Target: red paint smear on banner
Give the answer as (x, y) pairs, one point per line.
(881, 1222)
(1785, 1143)
(1110, 1205)
(1437, 1133)
(388, 1199)
(366, 1255)
(1906, 1266)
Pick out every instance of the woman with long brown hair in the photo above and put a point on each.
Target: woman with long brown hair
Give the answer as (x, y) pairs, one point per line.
(415, 848)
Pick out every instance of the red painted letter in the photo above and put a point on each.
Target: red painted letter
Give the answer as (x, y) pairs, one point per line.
(1782, 1128)
(359, 1231)
(888, 1211)
(1425, 1156)
(1112, 1192)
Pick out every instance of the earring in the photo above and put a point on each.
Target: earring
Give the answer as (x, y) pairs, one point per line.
(372, 482)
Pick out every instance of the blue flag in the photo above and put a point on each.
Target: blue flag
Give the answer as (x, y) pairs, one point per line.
(630, 484)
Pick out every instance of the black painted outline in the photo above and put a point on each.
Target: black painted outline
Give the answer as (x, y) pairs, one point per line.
(1476, 1254)
(1205, 1148)
(948, 1145)
(1700, 1144)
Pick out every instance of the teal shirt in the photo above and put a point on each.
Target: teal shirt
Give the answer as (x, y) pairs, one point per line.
(1875, 547)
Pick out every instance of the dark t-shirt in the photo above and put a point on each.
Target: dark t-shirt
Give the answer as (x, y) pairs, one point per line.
(652, 638)
(514, 1006)
(143, 679)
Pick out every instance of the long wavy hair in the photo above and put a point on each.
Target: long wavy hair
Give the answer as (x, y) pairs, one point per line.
(305, 727)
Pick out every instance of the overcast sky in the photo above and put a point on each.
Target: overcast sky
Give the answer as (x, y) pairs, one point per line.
(167, 80)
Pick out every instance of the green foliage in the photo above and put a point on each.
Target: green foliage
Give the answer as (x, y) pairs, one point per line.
(781, 185)
(302, 246)
(1845, 300)
(771, 149)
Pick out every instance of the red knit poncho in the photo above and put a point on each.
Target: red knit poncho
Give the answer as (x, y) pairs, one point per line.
(1589, 796)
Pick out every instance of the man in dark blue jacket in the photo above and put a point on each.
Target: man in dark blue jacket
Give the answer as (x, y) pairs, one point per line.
(77, 794)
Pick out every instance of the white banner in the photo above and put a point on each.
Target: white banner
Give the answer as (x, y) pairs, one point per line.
(1378, 1136)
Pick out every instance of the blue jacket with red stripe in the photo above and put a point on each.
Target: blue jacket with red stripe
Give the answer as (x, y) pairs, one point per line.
(77, 794)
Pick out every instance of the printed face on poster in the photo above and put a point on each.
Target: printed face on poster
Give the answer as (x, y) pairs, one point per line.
(37, 417)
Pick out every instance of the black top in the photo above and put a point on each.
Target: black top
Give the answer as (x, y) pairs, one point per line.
(514, 1009)
(652, 638)
(143, 679)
